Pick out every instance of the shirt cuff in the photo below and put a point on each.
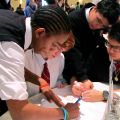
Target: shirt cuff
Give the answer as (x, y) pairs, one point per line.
(13, 90)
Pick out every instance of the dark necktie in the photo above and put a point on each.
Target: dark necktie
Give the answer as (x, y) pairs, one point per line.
(117, 66)
(45, 73)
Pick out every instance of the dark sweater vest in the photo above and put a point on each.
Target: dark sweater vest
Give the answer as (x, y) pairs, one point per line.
(12, 27)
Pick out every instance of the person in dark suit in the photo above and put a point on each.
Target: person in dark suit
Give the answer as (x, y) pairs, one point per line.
(99, 69)
(87, 24)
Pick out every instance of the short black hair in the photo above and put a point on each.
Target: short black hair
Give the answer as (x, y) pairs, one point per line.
(4, 4)
(114, 32)
(52, 18)
(110, 9)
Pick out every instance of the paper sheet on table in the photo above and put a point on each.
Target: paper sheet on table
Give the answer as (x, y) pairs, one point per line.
(89, 111)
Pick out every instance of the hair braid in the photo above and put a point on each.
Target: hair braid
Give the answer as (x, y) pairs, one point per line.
(53, 19)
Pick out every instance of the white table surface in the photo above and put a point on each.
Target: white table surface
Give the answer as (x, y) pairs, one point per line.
(89, 111)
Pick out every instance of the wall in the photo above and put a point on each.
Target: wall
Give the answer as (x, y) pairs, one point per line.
(72, 2)
(95, 1)
(15, 3)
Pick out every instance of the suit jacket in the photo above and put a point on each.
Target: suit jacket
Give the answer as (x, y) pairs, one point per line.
(86, 41)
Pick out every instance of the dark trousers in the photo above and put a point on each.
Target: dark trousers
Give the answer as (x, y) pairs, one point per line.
(3, 107)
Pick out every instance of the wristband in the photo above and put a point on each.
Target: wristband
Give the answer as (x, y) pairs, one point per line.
(65, 113)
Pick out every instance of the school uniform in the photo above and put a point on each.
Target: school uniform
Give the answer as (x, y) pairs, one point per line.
(35, 63)
(99, 67)
(12, 59)
(86, 41)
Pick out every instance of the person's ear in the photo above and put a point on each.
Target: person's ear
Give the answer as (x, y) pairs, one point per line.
(39, 32)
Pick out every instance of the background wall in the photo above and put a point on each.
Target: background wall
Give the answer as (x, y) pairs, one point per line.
(73, 2)
(95, 1)
(15, 3)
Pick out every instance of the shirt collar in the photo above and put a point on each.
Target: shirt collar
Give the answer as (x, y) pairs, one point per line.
(87, 11)
(39, 56)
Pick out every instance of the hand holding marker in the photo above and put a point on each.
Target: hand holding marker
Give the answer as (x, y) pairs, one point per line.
(78, 100)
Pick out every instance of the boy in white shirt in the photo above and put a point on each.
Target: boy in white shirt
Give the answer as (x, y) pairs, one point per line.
(51, 53)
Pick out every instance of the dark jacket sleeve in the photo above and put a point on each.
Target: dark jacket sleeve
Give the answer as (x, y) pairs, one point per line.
(74, 66)
(98, 65)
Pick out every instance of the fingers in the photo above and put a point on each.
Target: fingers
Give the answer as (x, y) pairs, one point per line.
(92, 96)
(85, 96)
(73, 110)
(88, 84)
(92, 86)
(87, 99)
(76, 91)
(78, 88)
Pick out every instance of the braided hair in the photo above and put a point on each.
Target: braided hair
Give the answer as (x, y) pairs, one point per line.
(53, 19)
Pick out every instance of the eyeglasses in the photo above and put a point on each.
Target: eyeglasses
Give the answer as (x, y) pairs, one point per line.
(58, 46)
(62, 47)
(65, 46)
(114, 48)
(100, 20)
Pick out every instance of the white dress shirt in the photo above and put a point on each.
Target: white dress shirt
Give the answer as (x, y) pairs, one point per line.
(12, 62)
(35, 63)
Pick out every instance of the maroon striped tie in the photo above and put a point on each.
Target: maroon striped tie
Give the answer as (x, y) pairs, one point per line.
(45, 73)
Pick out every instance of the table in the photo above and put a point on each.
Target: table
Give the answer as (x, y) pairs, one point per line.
(89, 111)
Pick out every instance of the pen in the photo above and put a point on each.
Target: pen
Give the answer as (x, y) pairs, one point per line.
(78, 99)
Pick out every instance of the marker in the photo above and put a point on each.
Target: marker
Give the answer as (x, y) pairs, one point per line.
(78, 100)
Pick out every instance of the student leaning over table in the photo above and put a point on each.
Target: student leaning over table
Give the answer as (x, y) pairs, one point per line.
(87, 24)
(50, 53)
(14, 31)
(112, 47)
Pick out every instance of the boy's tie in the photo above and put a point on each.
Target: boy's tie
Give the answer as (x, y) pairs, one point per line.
(45, 73)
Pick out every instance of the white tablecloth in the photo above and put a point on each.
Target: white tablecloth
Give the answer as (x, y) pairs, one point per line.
(89, 111)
